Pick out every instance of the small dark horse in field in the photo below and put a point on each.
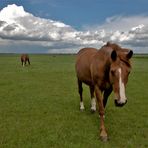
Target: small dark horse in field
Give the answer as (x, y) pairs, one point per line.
(25, 59)
(104, 71)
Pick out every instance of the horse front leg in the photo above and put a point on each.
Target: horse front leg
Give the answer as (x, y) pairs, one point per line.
(99, 97)
(25, 63)
(107, 92)
(22, 63)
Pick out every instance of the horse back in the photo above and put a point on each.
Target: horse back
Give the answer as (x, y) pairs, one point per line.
(24, 57)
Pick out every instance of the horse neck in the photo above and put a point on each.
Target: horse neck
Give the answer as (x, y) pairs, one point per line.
(104, 57)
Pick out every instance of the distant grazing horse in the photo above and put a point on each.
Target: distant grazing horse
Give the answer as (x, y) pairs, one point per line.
(104, 71)
(25, 59)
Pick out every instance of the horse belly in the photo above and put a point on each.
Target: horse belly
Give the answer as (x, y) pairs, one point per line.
(83, 74)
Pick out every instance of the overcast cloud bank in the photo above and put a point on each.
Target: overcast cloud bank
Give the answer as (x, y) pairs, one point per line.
(21, 31)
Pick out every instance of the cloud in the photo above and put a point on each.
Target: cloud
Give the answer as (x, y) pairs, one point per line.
(19, 25)
(20, 29)
(128, 31)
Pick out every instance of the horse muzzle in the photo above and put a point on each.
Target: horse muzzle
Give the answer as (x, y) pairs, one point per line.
(119, 104)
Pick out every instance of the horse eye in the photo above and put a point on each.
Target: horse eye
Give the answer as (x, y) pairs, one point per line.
(128, 72)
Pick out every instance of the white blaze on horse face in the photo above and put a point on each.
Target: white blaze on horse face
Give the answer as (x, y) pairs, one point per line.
(93, 104)
(121, 88)
(81, 106)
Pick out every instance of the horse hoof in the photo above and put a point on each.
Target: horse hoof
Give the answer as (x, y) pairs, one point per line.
(104, 138)
(82, 109)
(92, 111)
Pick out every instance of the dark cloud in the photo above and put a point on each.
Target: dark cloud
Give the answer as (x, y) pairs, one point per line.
(9, 28)
(2, 23)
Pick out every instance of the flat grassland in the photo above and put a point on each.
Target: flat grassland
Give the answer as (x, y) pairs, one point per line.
(39, 106)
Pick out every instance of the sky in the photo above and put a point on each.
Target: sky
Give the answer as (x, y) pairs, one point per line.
(66, 26)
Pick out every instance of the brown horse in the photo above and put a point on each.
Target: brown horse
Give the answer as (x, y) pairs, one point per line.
(104, 71)
(25, 59)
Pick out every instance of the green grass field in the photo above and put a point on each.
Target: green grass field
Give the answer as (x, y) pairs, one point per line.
(39, 106)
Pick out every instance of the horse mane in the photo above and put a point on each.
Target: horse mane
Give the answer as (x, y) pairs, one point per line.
(121, 52)
(113, 46)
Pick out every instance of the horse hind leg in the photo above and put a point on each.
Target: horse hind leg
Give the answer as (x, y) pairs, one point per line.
(80, 89)
(28, 61)
(93, 100)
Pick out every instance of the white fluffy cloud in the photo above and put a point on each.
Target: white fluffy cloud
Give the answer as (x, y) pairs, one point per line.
(20, 29)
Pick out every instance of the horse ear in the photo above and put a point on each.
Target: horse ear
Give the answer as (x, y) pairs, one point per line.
(130, 54)
(114, 55)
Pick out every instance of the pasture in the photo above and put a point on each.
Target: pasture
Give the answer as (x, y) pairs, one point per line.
(39, 106)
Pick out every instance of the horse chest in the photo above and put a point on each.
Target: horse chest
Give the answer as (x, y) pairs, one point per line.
(104, 85)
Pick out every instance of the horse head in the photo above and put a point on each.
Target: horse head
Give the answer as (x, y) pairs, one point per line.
(119, 71)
